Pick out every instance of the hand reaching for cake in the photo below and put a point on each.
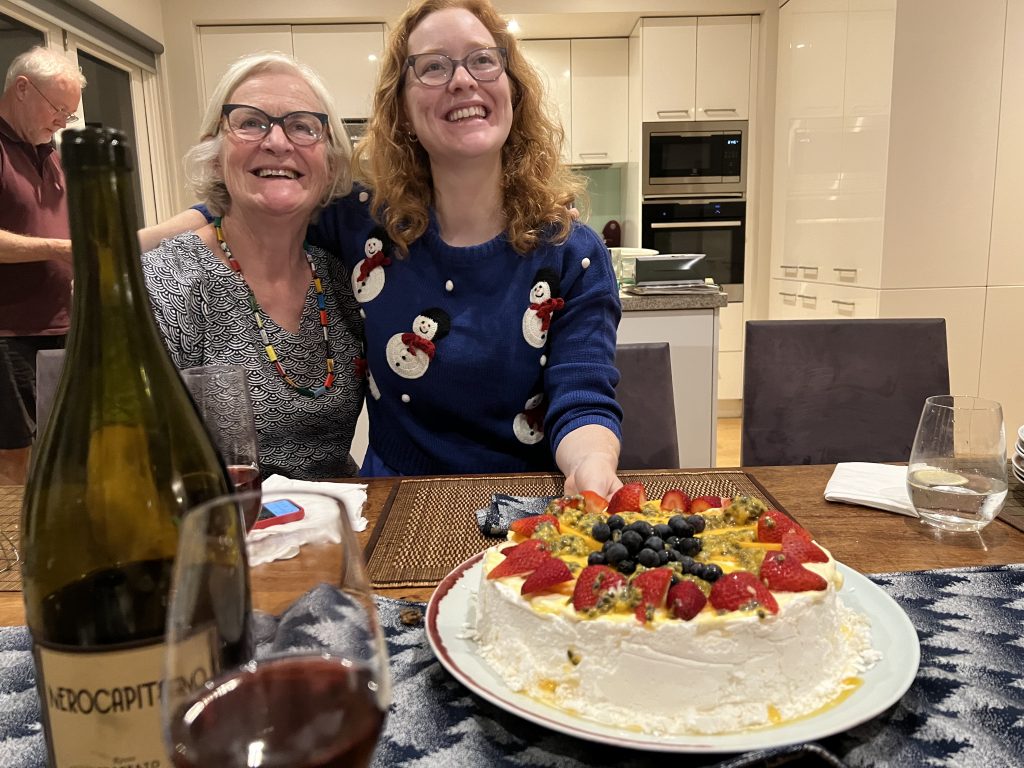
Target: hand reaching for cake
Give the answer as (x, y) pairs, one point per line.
(589, 456)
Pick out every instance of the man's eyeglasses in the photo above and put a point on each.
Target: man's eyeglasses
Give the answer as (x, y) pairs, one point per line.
(69, 117)
(253, 124)
(434, 69)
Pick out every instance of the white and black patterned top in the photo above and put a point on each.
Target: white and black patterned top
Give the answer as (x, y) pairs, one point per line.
(202, 310)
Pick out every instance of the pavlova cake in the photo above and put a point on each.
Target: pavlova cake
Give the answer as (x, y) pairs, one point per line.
(677, 616)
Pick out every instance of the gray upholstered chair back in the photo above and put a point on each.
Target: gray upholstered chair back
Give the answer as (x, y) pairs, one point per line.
(649, 416)
(825, 391)
(49, 364)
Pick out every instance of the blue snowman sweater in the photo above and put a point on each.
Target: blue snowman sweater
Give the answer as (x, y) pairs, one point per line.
(478, 359)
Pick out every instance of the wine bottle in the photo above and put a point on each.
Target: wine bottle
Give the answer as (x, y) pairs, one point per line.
(123, 455)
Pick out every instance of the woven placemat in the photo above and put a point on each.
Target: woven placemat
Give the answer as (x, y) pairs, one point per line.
(428, 527)
(10, 537)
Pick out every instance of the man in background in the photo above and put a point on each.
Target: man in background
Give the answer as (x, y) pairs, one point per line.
(42, 90)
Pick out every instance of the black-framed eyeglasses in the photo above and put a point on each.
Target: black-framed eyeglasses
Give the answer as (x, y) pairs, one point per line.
(69, 117)
(253, 124)
(434, 69)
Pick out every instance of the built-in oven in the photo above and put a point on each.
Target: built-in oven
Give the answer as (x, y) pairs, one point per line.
(715, 228)
(695, 158)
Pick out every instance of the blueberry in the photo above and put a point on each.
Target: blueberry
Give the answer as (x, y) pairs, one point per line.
(645, 529)
(712, 572)
(655, 543)
(601, 532)
(648, 558)
(633, 541)
(596, 558)
(662, 531)
(663, 557)
(680, 526)
(672, 542)
(615, 522)
(697, 522)
(673, 556)
(626, 566)
(689, 546)
(687, 562)
(616, 553)
(699, 570)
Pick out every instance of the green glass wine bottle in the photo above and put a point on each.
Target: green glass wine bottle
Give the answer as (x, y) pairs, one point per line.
(123, 455)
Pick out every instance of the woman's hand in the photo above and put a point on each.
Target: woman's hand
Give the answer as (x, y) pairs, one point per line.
(589, 457)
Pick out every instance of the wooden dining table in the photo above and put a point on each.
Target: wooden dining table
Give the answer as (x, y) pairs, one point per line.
(867, 540)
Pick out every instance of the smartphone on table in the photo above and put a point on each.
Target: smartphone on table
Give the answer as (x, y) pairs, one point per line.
(278, 512)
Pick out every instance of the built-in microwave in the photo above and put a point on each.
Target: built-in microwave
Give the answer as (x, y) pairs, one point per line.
(695, 158)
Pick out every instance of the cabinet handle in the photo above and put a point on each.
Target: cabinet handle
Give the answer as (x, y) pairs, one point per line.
(805, 297)
(806, 267)
(696, 224)
(844, 303)
(733, 110)
(787, 293)
(787, 266)
(845, 269)
(593, 154)
(673, 112)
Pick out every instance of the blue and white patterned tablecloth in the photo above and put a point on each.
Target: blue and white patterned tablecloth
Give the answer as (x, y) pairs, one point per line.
(965, 709)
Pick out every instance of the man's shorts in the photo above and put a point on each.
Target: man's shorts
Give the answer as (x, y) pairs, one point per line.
(18, 387)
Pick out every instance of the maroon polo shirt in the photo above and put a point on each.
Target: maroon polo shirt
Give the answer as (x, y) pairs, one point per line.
(35, 297)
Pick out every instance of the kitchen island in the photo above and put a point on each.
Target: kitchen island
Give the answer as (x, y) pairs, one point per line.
(690, 324)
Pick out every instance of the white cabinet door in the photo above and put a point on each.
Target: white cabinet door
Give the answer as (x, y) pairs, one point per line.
(723, 67)
(600, 94)
(220, 47)
(346, 56)
(552, 60)
(669, 69)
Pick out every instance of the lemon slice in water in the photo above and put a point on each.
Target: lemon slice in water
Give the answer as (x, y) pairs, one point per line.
(939, 477)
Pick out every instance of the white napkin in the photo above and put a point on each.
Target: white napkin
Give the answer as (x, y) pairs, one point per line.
(320, 522)
(871, 485)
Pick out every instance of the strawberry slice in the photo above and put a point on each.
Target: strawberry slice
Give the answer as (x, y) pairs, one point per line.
(593, 583)
(772, 525)
(525, 526)
(702, 504)
(653, 588)
(784, 574)
(675, 501)
(685, 600)
(551, 572)
(629, 498)
(594, 503)
(741, 590)
(798, 547)
(520, 559)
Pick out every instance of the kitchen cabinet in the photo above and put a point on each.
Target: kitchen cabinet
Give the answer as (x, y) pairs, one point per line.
(344, 55)
(695, 68)
(587, 88)
(881, 208)
(730, 355)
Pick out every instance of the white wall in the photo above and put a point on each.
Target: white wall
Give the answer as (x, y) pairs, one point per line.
(145, 15)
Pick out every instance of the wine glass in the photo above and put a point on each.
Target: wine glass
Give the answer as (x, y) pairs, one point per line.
(957, 472)
(315, 694)
(221, 393)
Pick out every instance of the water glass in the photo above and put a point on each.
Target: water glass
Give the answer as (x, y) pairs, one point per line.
(957, 472)
(314, 692)
(221, 393)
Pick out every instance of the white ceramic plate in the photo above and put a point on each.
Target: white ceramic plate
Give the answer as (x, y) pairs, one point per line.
(1018, 467)
(1020, 448)
(451, 617)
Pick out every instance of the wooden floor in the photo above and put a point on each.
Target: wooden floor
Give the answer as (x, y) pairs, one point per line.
(13, 464)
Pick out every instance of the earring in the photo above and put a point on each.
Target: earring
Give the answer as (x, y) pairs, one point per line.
(413, 139)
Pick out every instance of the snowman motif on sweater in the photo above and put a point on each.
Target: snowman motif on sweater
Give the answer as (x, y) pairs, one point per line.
(368, 274)
(528, 425)
(409, 354)
(544, 302)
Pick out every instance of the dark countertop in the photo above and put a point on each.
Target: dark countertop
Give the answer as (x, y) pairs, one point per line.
(631, 303)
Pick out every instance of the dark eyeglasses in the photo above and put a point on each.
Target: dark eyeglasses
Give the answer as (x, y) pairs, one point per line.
(434, 69)
(69, 117)
(253, 124)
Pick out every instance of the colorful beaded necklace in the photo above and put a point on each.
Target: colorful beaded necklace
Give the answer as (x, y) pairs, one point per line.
(257, 314)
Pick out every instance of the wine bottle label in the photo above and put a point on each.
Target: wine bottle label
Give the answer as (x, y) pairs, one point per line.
(103, 709)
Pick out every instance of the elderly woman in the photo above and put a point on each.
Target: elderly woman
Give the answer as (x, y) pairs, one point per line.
(246, 289)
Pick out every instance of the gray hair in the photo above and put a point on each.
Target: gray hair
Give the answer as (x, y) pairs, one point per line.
(40, 63)
(202, 161)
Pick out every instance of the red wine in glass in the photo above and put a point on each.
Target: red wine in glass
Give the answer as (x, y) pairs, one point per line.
(294, 711)
(247, 478)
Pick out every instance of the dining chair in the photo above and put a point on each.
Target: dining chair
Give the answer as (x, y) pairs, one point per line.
(649, 417)
(825, 391)
(49, 364)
